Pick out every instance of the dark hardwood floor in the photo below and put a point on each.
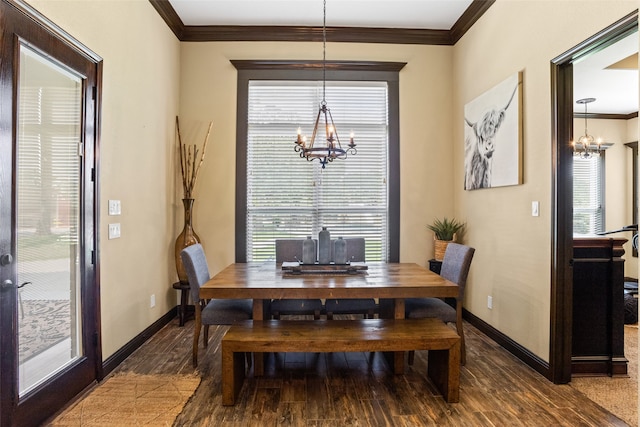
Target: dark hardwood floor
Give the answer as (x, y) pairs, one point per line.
(357, 389)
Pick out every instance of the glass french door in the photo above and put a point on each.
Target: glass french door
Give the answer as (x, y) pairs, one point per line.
(48, 206)
(49, 328)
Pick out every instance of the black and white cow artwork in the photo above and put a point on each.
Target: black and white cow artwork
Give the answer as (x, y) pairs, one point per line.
(480, 147)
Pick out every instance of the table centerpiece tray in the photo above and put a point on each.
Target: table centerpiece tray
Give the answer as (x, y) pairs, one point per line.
(301, 268)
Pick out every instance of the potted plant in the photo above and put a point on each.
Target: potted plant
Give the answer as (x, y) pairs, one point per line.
(445, 231)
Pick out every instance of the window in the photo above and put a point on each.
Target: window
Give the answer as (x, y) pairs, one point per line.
(588, 194)
(280, 195)
(288, 197)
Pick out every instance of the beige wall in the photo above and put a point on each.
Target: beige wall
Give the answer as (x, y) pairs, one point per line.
(208, 92)
(632, 127)
(140, 102)
(149, 76)
(513, 249)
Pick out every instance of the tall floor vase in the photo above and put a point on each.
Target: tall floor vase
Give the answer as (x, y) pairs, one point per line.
(186, 238)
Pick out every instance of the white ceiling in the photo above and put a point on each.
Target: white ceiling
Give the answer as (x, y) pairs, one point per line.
(616, 91)
(421, 14)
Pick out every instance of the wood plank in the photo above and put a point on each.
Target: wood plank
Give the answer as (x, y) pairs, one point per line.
(339, 335)
(266, 281)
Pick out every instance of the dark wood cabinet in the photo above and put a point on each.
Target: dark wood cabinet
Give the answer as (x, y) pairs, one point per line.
(598, 307)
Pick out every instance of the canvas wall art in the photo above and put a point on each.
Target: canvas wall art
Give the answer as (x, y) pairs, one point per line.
(493, 136)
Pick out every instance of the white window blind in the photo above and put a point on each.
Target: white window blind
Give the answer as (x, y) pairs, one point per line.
(588, 195)
(289, 197)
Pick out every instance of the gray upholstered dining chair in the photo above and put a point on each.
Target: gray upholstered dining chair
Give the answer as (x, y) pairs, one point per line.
(209, 312)
(291, 250)
(455, 268)
(364, 306)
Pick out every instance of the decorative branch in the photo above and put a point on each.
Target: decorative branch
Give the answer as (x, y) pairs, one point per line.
(188, 157)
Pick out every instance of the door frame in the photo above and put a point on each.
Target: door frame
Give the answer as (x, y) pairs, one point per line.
(562, 191)
(20, 23)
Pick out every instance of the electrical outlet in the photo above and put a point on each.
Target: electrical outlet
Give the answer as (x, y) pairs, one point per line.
(490, 302)
(152, 301)
(114, 231)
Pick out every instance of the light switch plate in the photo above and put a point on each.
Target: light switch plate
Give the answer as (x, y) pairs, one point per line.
(114, 231)
(535, 208)
(114, 207)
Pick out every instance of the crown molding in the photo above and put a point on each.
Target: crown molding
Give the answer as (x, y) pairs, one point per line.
(318, 65)
(475, 10)
(170, 17)
(222, 33)
(208, 33)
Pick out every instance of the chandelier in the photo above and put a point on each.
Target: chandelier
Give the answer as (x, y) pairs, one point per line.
(332, 149)
(586, 146)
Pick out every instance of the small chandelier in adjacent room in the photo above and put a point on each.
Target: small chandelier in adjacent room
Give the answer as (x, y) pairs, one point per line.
(332, 149)
(586, 146)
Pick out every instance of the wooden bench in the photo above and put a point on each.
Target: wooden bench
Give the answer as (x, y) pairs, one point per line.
(320, 336)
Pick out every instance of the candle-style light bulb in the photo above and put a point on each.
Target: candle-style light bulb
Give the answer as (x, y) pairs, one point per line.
(299, 136)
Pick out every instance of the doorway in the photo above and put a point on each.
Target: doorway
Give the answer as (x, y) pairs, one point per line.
(562, 191)
(49, 300)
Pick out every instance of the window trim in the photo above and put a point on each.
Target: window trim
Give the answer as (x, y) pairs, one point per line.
(634, 195)
(312, 70)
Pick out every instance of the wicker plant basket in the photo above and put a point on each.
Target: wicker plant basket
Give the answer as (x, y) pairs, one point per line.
(440, 246)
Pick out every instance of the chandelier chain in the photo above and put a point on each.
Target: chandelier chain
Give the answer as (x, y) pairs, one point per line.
(586, 132)
(324, 51)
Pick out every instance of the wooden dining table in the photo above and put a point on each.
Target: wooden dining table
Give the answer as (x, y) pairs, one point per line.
(391, 283)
